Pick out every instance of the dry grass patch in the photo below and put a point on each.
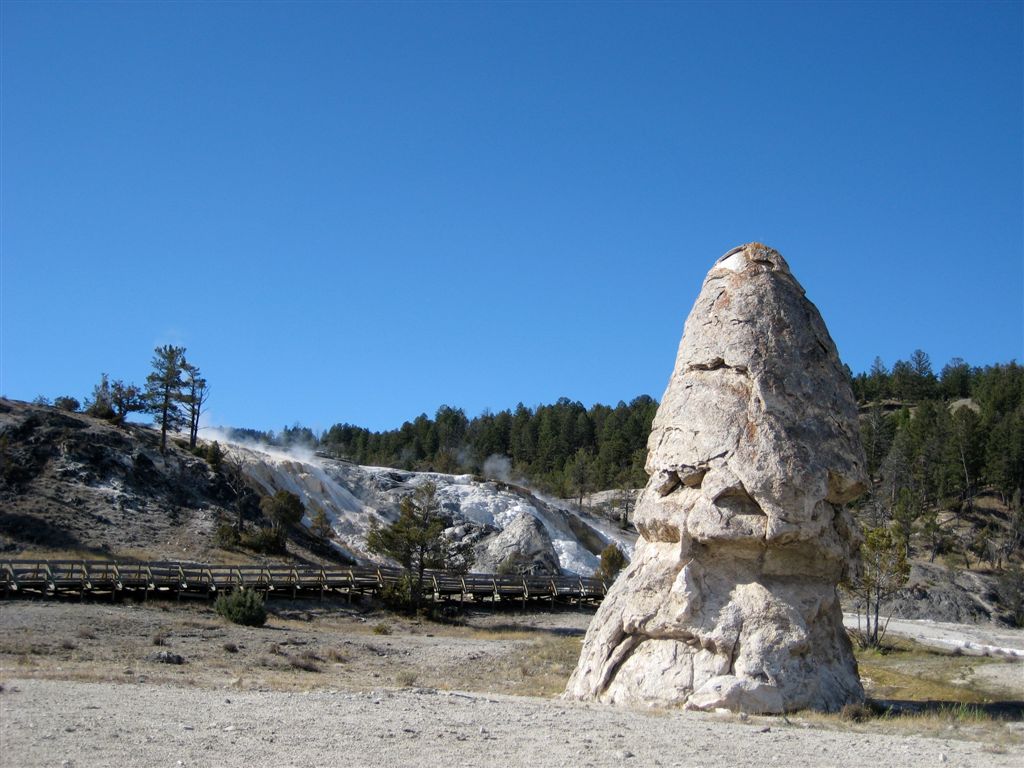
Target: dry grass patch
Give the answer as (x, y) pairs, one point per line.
(947, 720)
(921, 691)
(908, 671)
(540, 665)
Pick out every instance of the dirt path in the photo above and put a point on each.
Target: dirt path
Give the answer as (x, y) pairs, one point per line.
(73, 724)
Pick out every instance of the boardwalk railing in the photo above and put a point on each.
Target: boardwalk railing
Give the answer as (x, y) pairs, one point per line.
(105, 577)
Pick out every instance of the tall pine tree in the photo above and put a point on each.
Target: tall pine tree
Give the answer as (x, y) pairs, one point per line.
(164, 390)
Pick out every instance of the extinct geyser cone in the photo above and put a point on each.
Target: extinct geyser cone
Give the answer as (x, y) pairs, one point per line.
(730, 600)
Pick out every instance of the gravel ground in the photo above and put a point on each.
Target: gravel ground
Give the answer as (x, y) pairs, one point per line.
(327, 685)
(71, 724)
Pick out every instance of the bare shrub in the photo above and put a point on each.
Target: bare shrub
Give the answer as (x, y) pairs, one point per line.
(855, 713)
(305, 661)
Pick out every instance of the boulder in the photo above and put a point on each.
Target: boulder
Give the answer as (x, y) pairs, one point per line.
(730, 599)
(524, 546)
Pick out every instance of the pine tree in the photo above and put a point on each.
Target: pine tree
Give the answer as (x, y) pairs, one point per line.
(125, 399)
(164, 390)
(195, 393)
(321, 525)
(284, 508)
(884, 571)
(877, 381)
(923, 378)
(99, 405)
(417, 541)
(613, 560)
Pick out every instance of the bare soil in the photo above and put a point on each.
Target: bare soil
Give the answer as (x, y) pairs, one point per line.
(325, 684)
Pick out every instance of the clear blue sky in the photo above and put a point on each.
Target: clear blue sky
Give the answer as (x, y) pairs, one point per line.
(356, 212)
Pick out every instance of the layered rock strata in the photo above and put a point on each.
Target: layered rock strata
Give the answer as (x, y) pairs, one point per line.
(730, 599)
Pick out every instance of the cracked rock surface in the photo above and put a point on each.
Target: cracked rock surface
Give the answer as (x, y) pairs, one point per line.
(730, 599)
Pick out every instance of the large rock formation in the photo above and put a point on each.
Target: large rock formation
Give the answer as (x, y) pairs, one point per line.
(730, 599)
(524, 546)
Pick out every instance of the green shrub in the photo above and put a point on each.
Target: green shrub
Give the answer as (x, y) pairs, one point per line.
(214, 455)
(284, 508)
(613, 560)
(67, 403)
(268, 540)
(227, 536)
(243, 606)
(397, 595)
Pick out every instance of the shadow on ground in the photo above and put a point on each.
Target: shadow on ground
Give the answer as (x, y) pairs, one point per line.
(996, 710)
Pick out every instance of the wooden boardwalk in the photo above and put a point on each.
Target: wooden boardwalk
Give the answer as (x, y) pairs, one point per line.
(107, 578)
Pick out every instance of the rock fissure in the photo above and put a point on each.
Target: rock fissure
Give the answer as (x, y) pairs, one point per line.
(716, 364)
(735, 652)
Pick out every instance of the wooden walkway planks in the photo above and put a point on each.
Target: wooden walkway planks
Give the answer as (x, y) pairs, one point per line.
(170, 578)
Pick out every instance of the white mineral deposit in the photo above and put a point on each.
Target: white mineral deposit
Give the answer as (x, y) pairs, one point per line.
(730, 599)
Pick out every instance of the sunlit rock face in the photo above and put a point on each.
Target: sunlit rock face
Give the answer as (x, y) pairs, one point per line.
(730, 599)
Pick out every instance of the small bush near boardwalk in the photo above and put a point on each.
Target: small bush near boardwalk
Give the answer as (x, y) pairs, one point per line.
(243, 606)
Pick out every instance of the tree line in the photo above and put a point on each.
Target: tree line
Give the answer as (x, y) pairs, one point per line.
(934, 444)
(938, 439)
(175, 393)
(564, 449)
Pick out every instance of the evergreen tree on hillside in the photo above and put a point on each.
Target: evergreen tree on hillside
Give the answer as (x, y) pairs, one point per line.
(99, 403)
(923, 381)
(878, 381)
(284, 509)
(955, 379)
(195, 392)
(417, 540)
(126, 399)
(164, 390)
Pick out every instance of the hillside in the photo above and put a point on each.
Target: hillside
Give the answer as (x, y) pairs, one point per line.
(79, 486)
(75, 486)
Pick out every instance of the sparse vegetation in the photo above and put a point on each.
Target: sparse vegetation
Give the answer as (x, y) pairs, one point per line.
(67, 403)
(266, 540)
(306, 661)
(884, 571)
(284, 509)
(227, 536)
(321, 525)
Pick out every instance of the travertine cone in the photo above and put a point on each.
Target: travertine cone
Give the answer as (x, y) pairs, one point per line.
(730, 599)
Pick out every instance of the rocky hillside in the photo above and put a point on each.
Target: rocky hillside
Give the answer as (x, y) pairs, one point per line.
(79, 486)
(75, 486)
